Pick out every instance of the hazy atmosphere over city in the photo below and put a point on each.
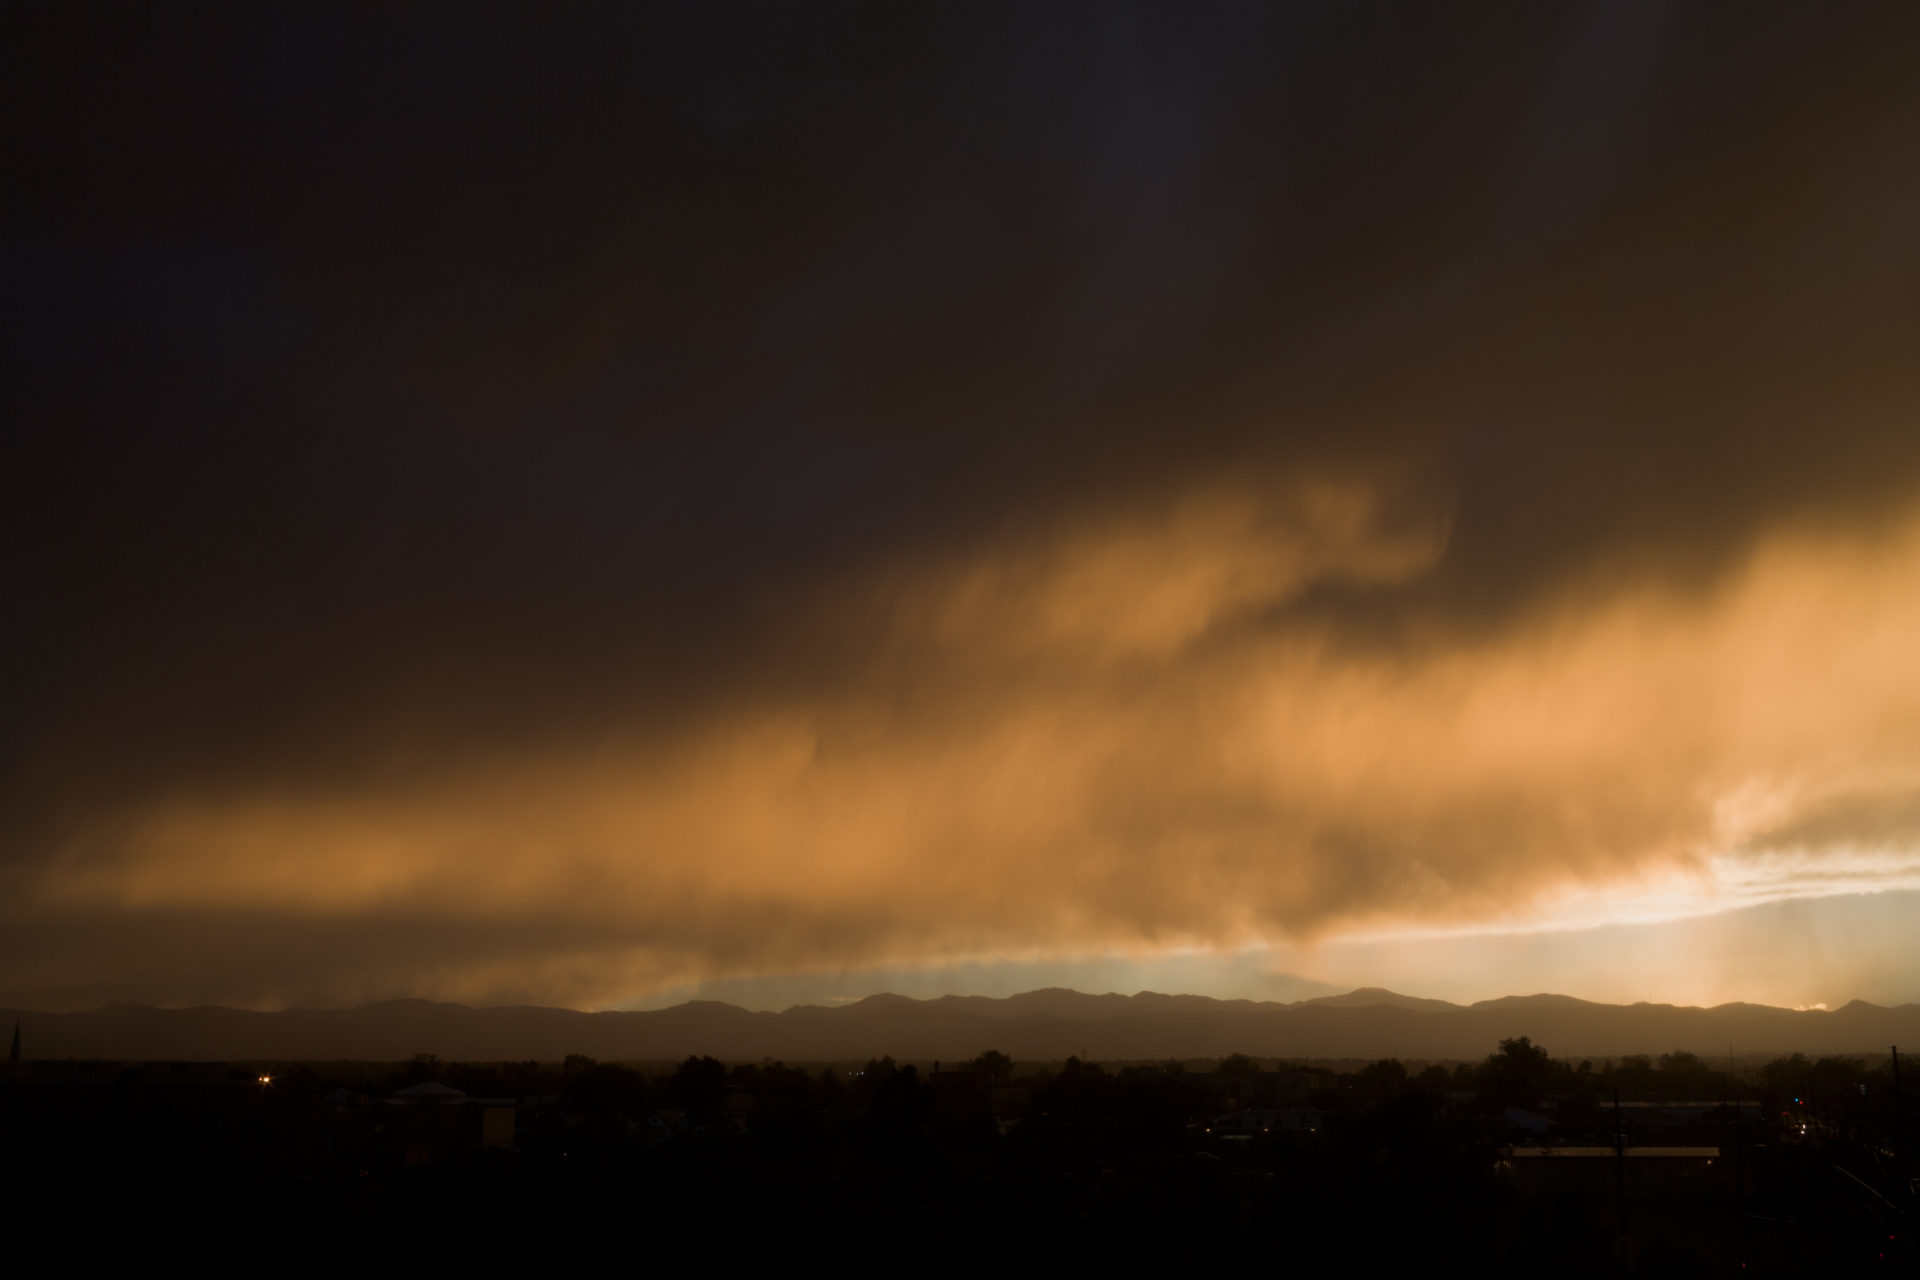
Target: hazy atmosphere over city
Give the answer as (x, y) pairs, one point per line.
(783, 503)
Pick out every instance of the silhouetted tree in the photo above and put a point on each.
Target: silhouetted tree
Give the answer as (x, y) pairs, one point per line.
(605, 1097)
(996, 1066)
(831, 1090)
(1378, 1081)
(420, 1068)
(1076, 1098)
(1518, 1075)
(699, 1088)
(898, 1102)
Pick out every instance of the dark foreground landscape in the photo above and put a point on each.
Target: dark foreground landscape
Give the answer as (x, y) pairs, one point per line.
(1524, 1157)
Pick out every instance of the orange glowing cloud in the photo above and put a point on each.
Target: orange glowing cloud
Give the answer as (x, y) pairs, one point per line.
(1120, 735)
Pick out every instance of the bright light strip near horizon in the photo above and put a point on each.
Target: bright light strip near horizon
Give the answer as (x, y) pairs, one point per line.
(1725, 882)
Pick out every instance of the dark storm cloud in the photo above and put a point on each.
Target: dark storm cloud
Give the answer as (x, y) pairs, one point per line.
(407, 397)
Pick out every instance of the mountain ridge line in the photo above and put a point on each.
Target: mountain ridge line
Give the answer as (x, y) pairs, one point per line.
(1047, 1024)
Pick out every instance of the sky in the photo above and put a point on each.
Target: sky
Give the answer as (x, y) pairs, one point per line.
(772, 503)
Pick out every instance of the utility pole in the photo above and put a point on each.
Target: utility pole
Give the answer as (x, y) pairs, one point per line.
(1900, 1152)
(1620, 1181)
(1739, 1183)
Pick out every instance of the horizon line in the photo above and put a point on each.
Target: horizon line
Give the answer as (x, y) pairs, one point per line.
(1332, 1000)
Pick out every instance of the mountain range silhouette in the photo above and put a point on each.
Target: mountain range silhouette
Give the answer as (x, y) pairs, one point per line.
(1037, 1025)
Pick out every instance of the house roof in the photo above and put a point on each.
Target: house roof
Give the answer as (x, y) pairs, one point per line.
(430, 1091)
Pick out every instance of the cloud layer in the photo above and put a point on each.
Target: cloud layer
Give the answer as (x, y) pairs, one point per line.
(1028, 755)
(570, 513)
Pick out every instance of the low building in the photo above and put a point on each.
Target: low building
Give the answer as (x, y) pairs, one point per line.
(1636, 1172)
(430, 1121)
(1240, 1125)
